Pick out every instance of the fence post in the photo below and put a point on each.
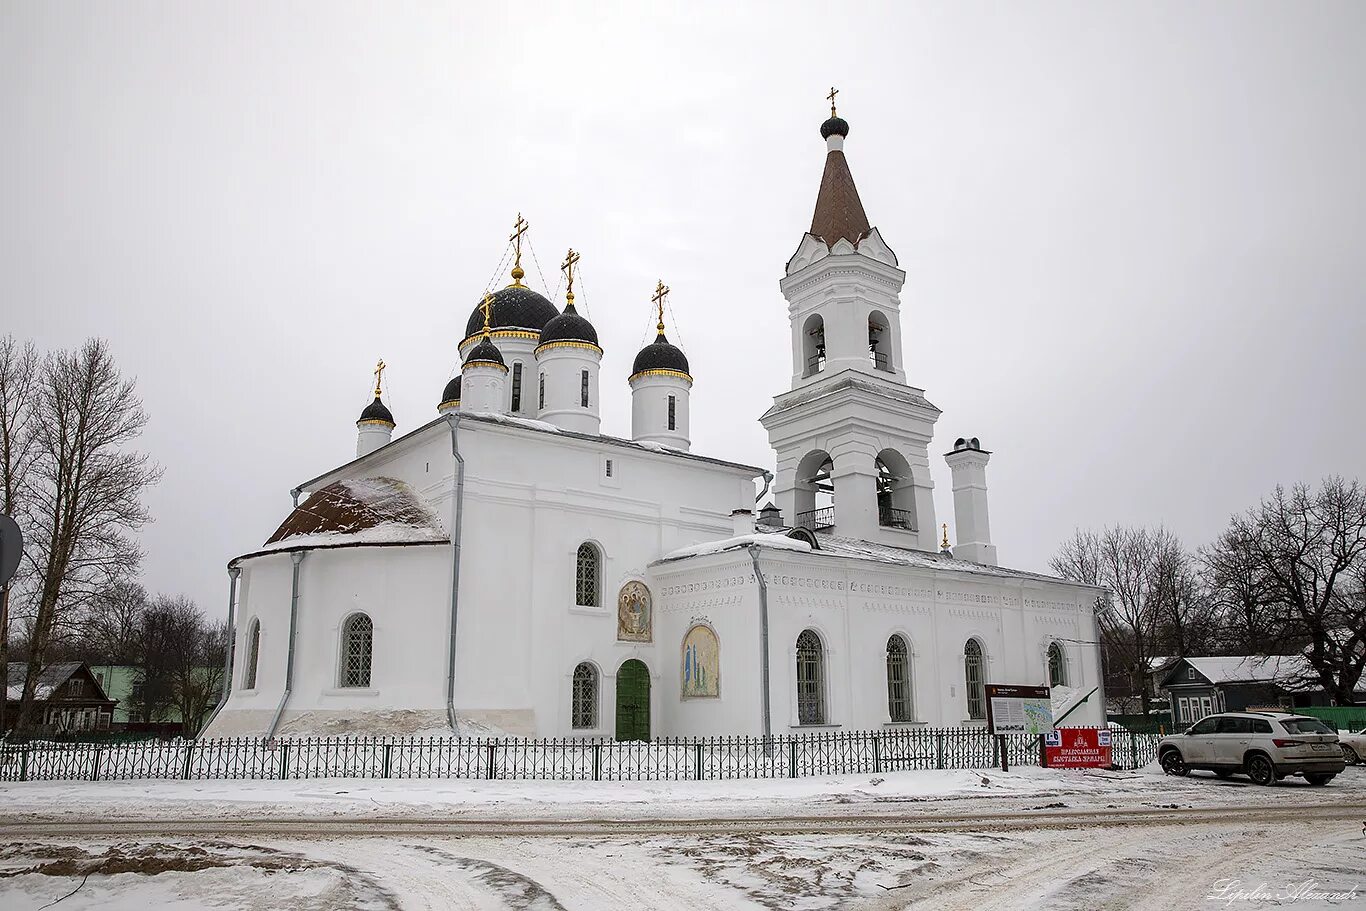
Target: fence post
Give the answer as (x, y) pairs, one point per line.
(189, 754)
(95, 775)
(792, 758)
(23, 763)
(1133, 742)
(1005, 759)
(284, 760)
(877, 753)
(388, 751)
(939, 749)
(490, 758)
(597, 762)
(1043, 752)
(697, 753)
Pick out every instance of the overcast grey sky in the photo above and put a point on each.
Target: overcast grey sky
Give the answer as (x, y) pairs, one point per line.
(1135, 235)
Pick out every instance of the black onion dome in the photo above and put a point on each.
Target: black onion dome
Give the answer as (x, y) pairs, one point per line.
(486, 351)
(569, 327)
(835, 126)
(452, 391)
(660, 355)
(377, 411)
(514, 307)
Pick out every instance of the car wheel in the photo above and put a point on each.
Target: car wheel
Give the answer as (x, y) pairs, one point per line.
(1260, 769)
(1350, 755)
(1172, 763)
(1318, 778)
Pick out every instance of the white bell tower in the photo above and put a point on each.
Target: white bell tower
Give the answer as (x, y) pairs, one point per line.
(852, 438)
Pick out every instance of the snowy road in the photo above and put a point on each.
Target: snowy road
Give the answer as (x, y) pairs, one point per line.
(1023, 840)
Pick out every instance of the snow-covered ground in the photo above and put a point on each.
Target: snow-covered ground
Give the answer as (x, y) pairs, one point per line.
(1153, 865)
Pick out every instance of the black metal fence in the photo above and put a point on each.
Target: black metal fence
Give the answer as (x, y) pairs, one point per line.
(666, 758)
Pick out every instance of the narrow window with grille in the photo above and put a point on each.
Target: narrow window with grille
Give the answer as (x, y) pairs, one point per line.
(898, 680)
(973, 673)
(540, 401)
(583, 388)
(587, 569)
(253, 655)
(517, 386)
(583, 710)
(358, 639)
(810, 678)
(673, 422)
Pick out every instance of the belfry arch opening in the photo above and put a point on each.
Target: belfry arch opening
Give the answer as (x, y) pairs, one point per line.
(880, 342)
(813, 345)
(895, 491)
(816, 491)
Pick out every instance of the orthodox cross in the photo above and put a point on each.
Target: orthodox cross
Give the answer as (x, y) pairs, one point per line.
(379, 375)
(487, 307)
(661, 292)
(833, 92)
(571, 259)
(518, 229)
(944, 544)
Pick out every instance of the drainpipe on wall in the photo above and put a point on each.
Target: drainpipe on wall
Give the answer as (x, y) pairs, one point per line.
(768, 482)
(233, 573)
(763, 642)
(298, 558)
(457, 517)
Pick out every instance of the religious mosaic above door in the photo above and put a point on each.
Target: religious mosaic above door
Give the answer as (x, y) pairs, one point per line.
(633, 613)
(701, 663)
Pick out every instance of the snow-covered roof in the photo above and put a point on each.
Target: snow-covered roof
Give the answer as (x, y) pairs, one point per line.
(858, 549)
(49, 679)
(358, 511)
(1289, 669)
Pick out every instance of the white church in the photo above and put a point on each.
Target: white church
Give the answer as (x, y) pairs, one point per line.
(509, 568)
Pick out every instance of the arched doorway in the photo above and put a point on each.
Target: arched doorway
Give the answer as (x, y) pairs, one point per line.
(633, 701)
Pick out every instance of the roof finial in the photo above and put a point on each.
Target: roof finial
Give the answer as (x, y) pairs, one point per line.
(944, 544)
(379, 375)
(833, 92)
(571, 259)
(661, 292)
(487, 307)
(518, 229)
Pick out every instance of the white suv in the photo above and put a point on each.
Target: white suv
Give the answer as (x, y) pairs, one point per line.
(1266, 746)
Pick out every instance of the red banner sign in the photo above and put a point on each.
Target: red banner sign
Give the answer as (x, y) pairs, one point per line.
(1077, 748)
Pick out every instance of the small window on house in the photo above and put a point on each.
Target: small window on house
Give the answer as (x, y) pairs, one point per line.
(673, 424)
(607, 467)
(583, 388)
(1192, 674)
(583, 709)
(517, 386)
(358, 639)
(253, 655)
(540, 399)
(587, 569)
(76, 688)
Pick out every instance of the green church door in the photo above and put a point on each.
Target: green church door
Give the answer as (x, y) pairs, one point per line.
(633, 701)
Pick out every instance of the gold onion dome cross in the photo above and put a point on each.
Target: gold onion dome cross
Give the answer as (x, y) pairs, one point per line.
(518, 229)
(571, 259)
(379, 375)
(661, 292)
(487, 307)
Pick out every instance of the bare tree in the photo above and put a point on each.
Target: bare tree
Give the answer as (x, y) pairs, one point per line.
(113, 624)
(18, 367)
(85, 493)
(1309, 549)
(1138, 566)
(1241, 594)
(181, 664)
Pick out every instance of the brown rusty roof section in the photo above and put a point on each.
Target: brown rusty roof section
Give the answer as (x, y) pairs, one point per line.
(839, 211)
(347, 507)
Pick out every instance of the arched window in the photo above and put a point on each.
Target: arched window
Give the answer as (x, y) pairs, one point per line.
(253, 655)
(810, 678)
(587, 570)
(895, 491)
(899, 706)
(815, 490)
(813, 345)
(1057, 665)
(879, 342)
(358, 640)
(583, 698)
(975, 678)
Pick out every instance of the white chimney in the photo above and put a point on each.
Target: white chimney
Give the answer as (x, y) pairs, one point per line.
(968, 462)
(742, 521)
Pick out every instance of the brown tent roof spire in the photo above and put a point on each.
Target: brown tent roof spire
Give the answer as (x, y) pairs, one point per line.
(839, 211)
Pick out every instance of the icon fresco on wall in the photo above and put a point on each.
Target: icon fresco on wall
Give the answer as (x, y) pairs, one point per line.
(633, 613)
(701, 663)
